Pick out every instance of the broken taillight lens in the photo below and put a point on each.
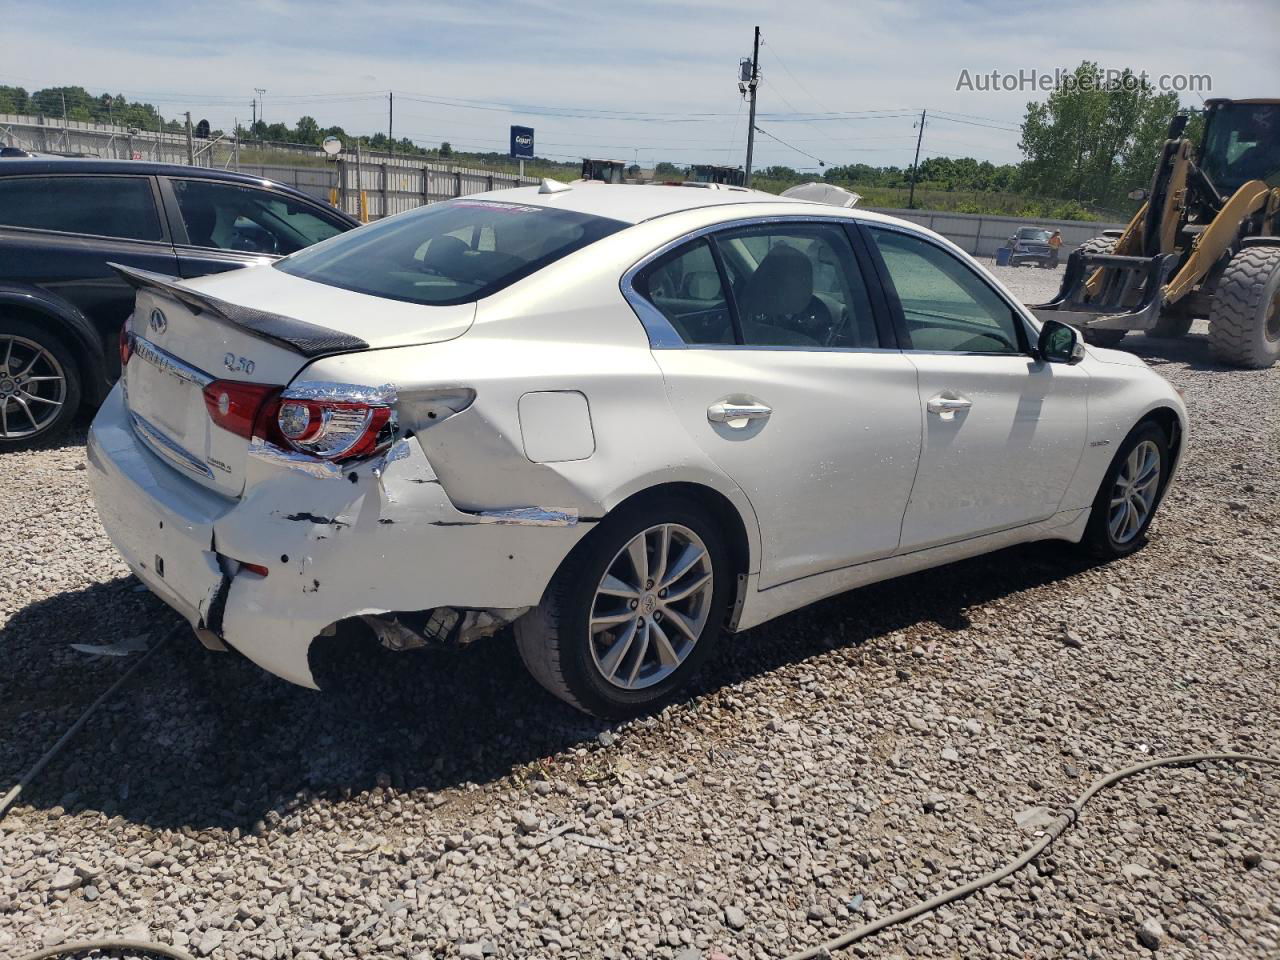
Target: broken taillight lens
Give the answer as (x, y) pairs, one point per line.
(126, 345)
(333, 429)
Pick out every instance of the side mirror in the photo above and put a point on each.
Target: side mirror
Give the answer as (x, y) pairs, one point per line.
(1060, 343)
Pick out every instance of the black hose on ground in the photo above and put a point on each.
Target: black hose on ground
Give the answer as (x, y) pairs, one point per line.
(114, 945)
(132, 947)
(1068, 817)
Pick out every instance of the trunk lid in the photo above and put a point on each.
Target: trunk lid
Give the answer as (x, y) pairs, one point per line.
(256, 325)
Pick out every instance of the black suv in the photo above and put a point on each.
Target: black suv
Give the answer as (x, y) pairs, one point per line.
(62, 307)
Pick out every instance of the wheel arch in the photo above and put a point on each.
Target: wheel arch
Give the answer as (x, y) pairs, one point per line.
(70, 326)
(1167, 419)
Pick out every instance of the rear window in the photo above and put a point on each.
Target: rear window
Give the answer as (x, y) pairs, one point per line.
(103, 206)
(453, 252)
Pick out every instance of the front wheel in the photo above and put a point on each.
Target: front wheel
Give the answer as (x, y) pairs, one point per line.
(632, 612)
(1126, 502)
(1244, 318)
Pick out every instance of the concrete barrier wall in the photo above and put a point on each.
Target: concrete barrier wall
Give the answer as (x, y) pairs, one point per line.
(981, 235)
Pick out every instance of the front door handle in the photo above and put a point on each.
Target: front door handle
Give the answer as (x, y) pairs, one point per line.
(946, 407)
(737, 415)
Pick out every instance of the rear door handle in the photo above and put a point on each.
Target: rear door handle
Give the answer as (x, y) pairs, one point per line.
(737, 415)
(946, 407)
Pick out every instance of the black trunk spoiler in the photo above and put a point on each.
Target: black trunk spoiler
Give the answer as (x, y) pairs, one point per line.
(309, 339)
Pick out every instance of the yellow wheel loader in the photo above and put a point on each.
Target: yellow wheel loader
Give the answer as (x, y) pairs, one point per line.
(1205, 243)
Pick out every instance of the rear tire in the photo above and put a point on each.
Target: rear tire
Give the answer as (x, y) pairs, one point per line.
(1130, 493)
(655, 659)
(39, 385)
(1244, 320)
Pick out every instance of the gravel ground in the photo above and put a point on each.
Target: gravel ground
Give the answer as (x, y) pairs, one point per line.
(832, 766)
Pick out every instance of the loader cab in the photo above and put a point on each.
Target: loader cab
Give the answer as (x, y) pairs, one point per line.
(1241, 142)
(604, 171)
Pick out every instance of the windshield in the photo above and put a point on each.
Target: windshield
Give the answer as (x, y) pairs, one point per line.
(446, 253)
(1242, 144)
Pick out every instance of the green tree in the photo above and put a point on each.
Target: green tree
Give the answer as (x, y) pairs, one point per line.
(307, 131)
(446, 150)
(1089, 141)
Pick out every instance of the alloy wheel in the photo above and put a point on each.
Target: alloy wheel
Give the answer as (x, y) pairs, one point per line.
(651, 606)
(33, 387)
(1133, 494)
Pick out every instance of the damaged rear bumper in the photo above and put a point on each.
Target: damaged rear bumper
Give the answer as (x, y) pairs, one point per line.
(376, 539)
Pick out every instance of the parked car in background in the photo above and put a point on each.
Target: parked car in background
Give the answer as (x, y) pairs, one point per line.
(619, 417)
(61, 307)
(1030, 245)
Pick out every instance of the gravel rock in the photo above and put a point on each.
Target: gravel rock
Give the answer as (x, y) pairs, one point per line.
(735, 918)
(1150, 934)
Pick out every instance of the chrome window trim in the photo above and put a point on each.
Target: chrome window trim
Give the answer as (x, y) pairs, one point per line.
(163, 447)
(663, 336)
(166, 362)
(1018, 309)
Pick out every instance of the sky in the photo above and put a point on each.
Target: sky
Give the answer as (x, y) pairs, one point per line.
(635, 80)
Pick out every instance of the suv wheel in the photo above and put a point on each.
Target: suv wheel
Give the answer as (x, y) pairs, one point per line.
(39, 385)
(633, 611)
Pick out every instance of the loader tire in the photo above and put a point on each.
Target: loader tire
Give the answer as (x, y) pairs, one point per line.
(1244, 320)
(1101, 338)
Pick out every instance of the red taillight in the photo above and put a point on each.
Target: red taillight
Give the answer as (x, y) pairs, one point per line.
(241, 407)
(126, 346)
(323, 428)
(332, 429)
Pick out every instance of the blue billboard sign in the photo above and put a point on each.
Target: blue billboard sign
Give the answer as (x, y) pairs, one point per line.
(522, 143)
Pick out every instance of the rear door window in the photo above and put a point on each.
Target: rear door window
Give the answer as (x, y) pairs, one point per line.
(685, 287)
(798, 285)
(123, 206)
(230, 216)
(453, 252)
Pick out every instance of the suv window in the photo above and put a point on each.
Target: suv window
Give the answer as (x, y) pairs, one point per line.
(229, 216)
(685, 286)
(452, 252)
(946, 305)
(122, 207)
(798, 285)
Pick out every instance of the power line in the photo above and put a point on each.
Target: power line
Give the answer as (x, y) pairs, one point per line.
(791, 146)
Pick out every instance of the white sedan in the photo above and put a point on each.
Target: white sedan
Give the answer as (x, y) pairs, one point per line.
(622, 418)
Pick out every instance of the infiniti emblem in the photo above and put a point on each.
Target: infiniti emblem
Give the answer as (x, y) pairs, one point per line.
(158, 322)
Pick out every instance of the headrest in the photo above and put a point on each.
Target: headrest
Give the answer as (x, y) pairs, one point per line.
(782, 285)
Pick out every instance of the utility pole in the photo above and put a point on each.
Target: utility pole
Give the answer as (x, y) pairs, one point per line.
(236, 146)
(751, 119)
(64, 120)
(191, 147)
(391, 112)
(911, 200)
(262, 115)
(254, 122)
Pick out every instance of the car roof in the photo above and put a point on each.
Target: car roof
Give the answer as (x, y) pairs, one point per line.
(18, 166)
(637, 202)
